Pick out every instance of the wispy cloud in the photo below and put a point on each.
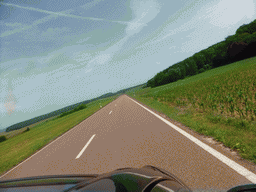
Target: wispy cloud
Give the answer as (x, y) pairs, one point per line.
(87, 71)
(54, 15)
(101, 59)
(215, 15)
(83, 40)
(144, 13)
(65, 14)
(229, 9)
(141, 11)
(14, 24)
(54, 31)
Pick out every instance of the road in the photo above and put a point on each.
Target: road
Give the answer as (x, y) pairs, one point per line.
(125, 133)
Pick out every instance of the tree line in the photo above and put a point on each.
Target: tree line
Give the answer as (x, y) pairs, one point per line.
(235, 47)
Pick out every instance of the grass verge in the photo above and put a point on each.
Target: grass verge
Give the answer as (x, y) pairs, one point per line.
(20, 145)
(220, 103)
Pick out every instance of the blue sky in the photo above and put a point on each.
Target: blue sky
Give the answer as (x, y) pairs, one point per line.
(55, 53)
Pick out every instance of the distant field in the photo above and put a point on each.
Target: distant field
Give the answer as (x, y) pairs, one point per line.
(17, 132)
(21, 145)
(220, 103)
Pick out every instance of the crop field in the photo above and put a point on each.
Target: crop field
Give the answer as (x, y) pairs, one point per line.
(220, 103)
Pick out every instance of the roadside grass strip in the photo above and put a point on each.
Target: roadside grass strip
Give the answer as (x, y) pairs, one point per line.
(220, 103)
(19, 147)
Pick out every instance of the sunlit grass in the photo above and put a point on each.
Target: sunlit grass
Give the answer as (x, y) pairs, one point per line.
(21, 145)
(220, 103)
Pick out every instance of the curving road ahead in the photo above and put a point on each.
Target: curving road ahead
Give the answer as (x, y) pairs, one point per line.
(126, 133)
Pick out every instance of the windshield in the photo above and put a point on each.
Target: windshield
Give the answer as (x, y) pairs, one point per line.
(91, 86)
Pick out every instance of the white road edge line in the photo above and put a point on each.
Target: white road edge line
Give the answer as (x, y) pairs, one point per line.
(232, 164)
(81, 152)
(110, 112)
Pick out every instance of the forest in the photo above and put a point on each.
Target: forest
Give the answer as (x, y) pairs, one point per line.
(234, 48)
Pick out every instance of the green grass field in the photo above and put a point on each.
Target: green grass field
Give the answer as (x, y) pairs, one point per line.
(21, 145)
(220, 103)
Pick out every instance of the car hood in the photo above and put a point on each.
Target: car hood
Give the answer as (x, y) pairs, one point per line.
(141, 178)
(56, 182)
(133, 179)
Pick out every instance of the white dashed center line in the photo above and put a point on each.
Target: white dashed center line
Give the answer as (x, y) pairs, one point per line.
(110, 112)
(81, 152)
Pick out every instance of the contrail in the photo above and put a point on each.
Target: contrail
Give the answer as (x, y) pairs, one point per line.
(68, 15)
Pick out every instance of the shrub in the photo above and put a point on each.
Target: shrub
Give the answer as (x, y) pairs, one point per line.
(83, 106)
(80, 107)
(2, 138)
(207, 67)
(26, 130)
(201, 70)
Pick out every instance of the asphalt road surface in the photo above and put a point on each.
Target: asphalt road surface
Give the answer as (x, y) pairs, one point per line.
(126, 133)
